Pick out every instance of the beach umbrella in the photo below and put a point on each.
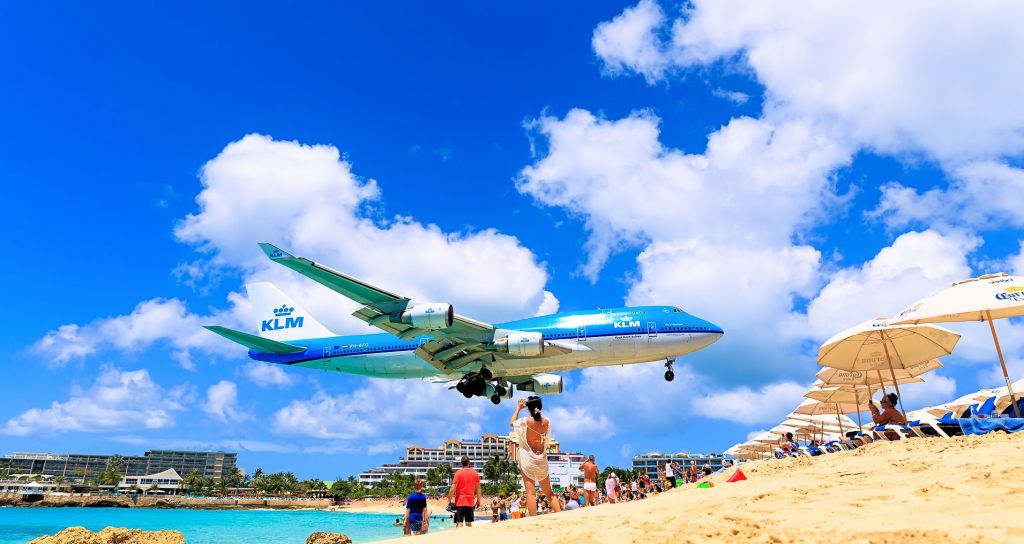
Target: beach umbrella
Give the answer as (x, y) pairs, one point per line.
(985, 298)
(839, 396)
(835, 409)
(877, 344)
(834, 377)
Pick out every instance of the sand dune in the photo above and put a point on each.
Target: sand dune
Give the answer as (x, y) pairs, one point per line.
(963, 490)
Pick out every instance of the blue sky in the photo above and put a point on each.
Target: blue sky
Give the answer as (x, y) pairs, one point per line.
(777, 174)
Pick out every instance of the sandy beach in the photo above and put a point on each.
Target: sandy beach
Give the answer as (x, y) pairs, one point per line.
(961, 490)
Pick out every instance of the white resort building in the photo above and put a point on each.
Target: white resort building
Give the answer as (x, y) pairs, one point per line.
(167, 482)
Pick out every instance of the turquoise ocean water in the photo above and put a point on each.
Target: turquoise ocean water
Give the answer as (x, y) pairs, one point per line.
(19, 525)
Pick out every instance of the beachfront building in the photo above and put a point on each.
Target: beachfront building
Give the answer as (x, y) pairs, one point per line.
(418, 459)
(565, 469)
(167, 482)
(28, 484)
(651, 462)
(78, 466)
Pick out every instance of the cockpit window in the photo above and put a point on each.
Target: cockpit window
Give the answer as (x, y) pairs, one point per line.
(677, 310)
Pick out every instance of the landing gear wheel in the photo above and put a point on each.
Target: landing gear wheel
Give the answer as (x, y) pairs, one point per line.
(467, 394)
(485, 373)
(495, 399)
(500, 390)
(479, 387)
(669, 375)
(461, 387)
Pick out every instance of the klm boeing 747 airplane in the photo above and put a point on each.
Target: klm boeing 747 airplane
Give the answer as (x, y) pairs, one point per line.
(429, 340)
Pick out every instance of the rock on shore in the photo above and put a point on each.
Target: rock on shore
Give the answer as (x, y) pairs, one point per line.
(111, 535)
(328, 538)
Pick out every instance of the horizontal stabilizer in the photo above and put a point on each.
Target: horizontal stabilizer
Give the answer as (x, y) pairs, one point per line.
(258, 343)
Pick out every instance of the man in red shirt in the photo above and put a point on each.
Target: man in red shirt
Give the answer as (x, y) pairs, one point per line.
(466, 492)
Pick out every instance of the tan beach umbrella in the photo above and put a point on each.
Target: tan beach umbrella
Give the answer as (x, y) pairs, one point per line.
(834, 377)
(985, 298)
(878, 344)
(840, 396)
(835, 409)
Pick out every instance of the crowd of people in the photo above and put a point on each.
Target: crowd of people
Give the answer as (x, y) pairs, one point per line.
(532, 435)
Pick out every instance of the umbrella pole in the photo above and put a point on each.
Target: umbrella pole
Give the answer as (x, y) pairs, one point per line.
(839, 419)
(893, 372)
(881, 382)
(859, 424)
(1002, 362)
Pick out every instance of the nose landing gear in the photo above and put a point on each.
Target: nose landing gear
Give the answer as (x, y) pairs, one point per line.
(669, 374)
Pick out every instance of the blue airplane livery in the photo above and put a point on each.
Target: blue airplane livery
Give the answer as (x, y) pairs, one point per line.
(428, 340)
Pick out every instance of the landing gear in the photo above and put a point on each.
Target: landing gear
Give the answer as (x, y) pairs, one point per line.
(476, 385)
(669, 374)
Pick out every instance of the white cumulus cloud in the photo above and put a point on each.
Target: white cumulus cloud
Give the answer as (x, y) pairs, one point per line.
(891, 75)
(766, 405)
(382, 415)
(267, 375)
(117, 400)
(222, 403)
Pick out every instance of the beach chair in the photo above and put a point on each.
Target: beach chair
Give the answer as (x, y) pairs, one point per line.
(903, 432)
(927, 428)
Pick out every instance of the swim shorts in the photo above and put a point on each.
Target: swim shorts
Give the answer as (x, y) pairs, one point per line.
(464, 514)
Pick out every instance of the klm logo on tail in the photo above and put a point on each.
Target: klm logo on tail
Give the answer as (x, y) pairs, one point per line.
(282, 320)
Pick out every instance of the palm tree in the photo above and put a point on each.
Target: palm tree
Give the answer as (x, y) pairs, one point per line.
(60, 481)
(153, 488)
(192, 480)
(444, 470)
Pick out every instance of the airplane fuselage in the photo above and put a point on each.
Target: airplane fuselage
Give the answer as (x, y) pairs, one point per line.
(595, 338)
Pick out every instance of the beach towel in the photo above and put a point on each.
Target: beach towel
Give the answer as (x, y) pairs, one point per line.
(973, 425)
(533, 465)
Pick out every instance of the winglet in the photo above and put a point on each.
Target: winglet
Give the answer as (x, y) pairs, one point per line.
(275, 253)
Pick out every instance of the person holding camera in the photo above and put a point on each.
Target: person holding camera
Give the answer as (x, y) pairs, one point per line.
(533, 435)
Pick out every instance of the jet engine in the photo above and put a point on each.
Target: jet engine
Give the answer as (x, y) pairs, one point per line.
(543, 384)
(429, 316)
(521, 344)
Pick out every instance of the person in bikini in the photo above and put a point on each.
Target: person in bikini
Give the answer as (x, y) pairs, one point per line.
(533, 435)
(590, 471)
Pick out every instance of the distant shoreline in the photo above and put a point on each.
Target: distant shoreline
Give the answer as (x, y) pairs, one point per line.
(392, 506)
(166, 502)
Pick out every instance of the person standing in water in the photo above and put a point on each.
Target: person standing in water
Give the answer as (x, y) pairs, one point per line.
(533, 434)
(417, 516)
(465, 491)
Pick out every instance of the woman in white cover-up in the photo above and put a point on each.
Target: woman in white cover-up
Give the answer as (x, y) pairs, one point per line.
(532, 436)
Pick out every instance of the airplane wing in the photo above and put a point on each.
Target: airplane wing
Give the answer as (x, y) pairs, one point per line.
(450, 349)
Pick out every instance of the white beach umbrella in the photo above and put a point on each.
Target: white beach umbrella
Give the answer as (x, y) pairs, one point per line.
(985, 298)
(842, 397)
(834, 377)
(877, 344)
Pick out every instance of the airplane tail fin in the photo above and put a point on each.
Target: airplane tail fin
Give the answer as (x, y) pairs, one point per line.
(279, 318)
(257, 343)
